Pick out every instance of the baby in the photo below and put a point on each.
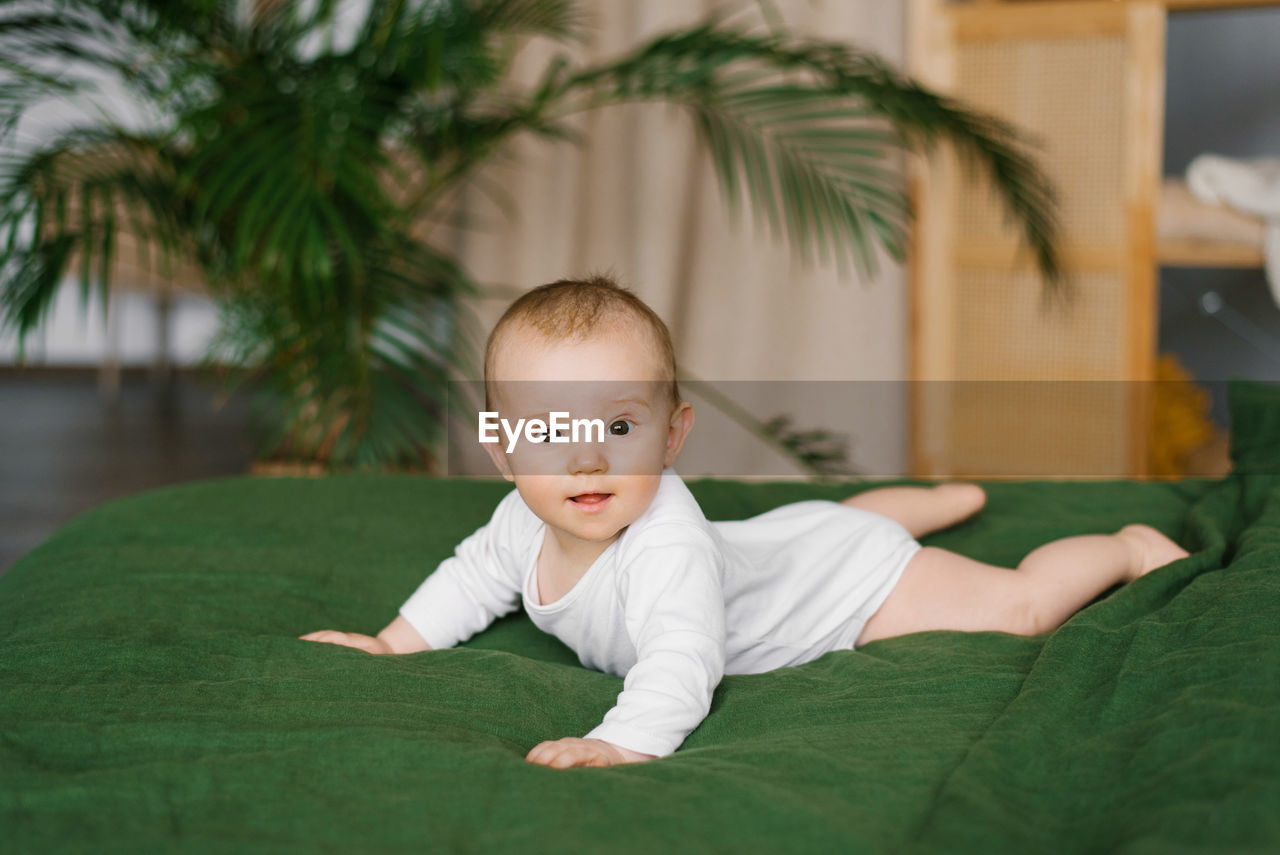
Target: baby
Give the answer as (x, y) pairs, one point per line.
(607, 549)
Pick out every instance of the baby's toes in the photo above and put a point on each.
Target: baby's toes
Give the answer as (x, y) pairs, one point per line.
(966, 499)
(1157, 549)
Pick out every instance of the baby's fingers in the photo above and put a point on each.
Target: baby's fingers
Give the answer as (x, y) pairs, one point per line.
(552, 754)
(332, 636)
(564, 753)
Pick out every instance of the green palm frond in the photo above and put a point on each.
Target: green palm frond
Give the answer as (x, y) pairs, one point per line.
(810, 167)
(824, 453)
(799, 124)
(355, 398)
(558, 19)
(821, 453)
(71, 197)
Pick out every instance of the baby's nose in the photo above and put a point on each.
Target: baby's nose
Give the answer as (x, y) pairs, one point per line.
(587, 458)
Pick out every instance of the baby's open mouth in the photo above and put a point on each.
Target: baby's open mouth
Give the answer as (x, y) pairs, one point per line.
(590, 498)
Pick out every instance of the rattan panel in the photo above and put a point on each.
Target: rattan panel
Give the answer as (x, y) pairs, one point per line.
(1068, 94)
(1040, 429)
(1005, 331)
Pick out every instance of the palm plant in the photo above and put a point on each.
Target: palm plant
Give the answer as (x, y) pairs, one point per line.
(296, 162)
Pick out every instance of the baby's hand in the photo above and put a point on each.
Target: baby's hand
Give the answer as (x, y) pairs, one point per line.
(349, 639)
(571, 751)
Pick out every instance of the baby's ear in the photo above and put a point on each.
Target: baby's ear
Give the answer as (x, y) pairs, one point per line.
(494, 450)
(681, 424)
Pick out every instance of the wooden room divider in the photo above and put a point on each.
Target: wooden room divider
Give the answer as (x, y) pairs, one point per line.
(1006, 384)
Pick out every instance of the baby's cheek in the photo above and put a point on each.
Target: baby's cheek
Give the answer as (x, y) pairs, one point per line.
(636, 459)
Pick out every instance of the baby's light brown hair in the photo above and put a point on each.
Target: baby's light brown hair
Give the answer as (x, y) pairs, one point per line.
(576, 309)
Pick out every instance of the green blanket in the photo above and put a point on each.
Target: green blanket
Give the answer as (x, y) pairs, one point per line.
(154, 696)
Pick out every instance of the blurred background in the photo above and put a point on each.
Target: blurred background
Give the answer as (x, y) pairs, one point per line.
(108, 398)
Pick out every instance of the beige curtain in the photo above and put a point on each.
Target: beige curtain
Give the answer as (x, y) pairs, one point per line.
(639, 199)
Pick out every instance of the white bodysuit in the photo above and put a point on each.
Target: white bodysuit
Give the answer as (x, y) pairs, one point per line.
(676, 602)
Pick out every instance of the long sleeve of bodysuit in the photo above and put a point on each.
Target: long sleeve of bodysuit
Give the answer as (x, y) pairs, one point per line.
(674, 606)
(474, 587)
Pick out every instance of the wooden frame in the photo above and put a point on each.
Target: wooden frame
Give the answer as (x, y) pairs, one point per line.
(938, 33)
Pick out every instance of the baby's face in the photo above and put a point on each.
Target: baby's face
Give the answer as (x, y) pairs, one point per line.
(591, 489)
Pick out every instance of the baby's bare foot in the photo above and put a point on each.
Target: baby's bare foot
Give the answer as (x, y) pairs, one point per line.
(1151, 549)
(963, 498)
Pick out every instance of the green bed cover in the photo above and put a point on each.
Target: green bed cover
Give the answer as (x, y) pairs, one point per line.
(154, 696)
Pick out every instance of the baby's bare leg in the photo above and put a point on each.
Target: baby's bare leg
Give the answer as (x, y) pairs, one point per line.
(944, 590)
(921, 510)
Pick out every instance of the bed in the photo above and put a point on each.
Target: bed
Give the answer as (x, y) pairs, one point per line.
(154, 696)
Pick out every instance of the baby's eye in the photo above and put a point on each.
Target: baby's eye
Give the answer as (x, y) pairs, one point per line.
(620, 427)
(546, 435)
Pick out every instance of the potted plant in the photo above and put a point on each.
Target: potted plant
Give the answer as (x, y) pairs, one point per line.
(294, 161)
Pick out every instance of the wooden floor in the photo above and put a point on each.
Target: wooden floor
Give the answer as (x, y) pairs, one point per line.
(62, 450)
